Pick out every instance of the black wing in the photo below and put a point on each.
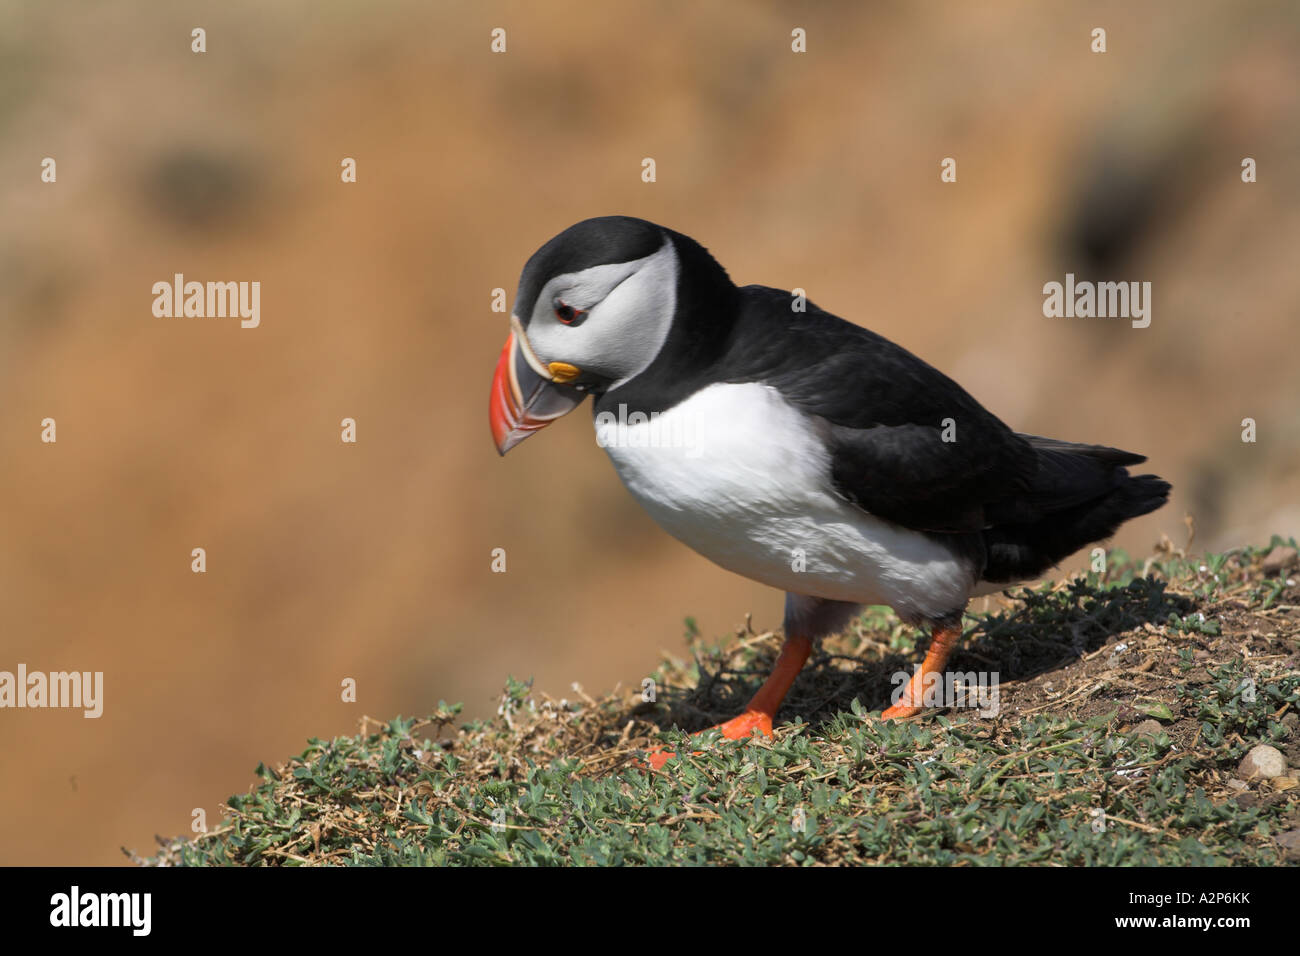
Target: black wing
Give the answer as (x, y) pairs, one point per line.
(907, 443)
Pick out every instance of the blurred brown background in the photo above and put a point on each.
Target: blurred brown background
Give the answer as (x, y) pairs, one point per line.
(371, 561)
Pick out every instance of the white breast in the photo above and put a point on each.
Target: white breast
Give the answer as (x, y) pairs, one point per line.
(744, 478)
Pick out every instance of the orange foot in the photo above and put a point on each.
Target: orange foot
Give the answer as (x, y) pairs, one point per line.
(738, 728)
(758, 715)
(943, 640)
(899, 712)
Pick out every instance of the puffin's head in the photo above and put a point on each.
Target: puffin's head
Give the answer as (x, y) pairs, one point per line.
(594, 307)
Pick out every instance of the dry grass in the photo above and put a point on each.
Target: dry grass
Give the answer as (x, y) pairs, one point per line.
(1126, 704)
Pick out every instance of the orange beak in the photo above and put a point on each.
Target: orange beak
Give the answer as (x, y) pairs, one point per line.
(523, 401)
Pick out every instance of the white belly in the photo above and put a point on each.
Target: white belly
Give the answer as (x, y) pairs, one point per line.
(743, 478)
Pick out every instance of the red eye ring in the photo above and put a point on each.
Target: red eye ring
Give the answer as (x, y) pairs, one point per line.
(567, 313)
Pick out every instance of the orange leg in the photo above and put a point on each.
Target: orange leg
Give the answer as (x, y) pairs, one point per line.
(943, 640)
(764, 705)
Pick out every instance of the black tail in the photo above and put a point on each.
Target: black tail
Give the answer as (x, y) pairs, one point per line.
(1081, 494)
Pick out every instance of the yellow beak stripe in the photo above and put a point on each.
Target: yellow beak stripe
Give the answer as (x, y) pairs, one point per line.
(563, 372)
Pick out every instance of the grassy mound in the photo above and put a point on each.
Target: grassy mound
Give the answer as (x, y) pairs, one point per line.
(1127, 701)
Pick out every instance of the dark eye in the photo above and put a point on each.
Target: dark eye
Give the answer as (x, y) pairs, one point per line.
(567, 313)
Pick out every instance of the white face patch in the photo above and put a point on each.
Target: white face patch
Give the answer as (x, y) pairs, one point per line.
(629, 306)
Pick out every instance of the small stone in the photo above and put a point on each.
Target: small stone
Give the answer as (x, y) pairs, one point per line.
(1246, 800)
(1278, 560)
(1262, 763)
(1289, 840)
(1148, 728)
(1235, 784)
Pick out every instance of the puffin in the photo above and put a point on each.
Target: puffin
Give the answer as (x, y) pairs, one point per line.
(793, 447)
